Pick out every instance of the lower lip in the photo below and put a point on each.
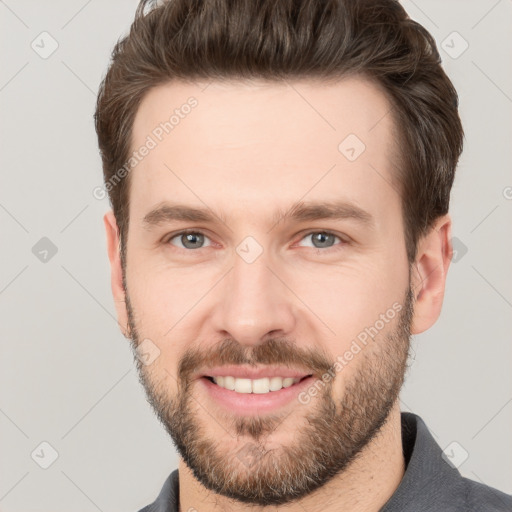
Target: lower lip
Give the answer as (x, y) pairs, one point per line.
(245, 403)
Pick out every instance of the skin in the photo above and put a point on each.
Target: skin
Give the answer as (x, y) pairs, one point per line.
(248, 151)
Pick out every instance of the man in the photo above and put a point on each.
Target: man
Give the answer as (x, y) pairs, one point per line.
(280, 175)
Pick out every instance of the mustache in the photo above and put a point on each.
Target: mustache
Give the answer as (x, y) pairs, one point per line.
(273, 351)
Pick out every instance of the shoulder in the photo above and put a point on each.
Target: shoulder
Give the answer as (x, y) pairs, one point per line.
(168, 498)
(431, 483)
(482, 497)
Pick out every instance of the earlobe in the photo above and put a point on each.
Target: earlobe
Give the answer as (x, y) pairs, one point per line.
(116, 271)
(429, 274)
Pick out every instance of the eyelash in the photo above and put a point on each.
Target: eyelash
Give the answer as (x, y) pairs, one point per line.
(334, 248)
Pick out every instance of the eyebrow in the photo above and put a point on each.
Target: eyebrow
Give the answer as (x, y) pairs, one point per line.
(300, 212)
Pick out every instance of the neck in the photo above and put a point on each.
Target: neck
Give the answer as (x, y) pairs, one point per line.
(366, 485)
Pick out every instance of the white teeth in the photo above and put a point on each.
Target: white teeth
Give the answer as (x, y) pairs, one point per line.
(276, 383)
(243, 385)
(260, 386)
(287, 382)
(229, 383)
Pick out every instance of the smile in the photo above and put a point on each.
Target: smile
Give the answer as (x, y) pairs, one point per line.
(260, 386)
(254, 396)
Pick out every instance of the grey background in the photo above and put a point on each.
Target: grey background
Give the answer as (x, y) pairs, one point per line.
(66, 373)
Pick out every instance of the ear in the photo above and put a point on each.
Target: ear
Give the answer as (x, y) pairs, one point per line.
(429, 274)
(116, 273)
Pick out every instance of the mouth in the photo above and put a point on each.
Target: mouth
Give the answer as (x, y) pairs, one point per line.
(255, 386)
(254, 396)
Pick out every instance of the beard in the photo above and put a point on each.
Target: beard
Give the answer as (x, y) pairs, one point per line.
(323, 443)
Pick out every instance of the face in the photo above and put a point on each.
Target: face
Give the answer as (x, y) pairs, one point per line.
(295, 267)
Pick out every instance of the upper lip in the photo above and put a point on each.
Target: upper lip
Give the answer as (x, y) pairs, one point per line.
(241, 372)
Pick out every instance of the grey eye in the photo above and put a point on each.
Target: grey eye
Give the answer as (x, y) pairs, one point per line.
(191, 240)
(321, 239)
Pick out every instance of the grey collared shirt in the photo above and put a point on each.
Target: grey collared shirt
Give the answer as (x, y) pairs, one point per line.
(430, 482)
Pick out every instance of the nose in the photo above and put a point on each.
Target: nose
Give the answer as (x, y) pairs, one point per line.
(255, 302)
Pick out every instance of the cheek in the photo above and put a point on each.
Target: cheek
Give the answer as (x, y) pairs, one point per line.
(162, 299)
(361, 319)
(351, 298)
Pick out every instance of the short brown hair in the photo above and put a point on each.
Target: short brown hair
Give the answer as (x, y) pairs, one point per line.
(292, 39)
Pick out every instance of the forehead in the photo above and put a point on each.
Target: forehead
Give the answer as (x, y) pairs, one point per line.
(237, 145)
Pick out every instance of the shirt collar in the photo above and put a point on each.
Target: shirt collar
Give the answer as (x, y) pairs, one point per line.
(429, 482)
